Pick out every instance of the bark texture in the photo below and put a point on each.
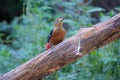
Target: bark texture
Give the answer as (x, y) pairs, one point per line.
(87, 39)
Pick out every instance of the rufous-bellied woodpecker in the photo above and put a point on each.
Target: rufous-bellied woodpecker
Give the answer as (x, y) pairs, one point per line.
(56, 35)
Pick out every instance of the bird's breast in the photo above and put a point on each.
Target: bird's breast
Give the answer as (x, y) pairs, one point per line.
(58, 36)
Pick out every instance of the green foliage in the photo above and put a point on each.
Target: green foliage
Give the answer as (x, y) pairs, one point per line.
(28, 35)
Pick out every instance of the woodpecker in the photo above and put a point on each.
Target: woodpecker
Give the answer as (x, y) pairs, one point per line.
(56, 35)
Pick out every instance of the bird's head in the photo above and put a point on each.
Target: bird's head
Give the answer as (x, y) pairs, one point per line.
(59, 22)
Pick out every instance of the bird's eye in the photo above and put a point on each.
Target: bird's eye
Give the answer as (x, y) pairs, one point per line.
(57, 20)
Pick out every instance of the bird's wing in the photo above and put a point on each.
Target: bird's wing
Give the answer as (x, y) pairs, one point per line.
(50, 35)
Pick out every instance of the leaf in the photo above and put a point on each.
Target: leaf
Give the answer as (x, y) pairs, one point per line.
(117, 8)
(46, 8)
(96, 9)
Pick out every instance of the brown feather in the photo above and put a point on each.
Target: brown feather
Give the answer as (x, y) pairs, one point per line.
(58, 35)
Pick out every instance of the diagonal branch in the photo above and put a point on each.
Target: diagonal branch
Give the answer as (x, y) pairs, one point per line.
(65, 53)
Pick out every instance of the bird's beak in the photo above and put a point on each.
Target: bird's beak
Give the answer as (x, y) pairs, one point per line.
(62, 19)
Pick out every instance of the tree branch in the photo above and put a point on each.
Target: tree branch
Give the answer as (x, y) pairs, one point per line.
(85, 41)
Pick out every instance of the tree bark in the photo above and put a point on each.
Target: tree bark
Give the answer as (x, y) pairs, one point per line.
(85, 41)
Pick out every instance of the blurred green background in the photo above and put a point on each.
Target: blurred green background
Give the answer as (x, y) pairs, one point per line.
(24, 29)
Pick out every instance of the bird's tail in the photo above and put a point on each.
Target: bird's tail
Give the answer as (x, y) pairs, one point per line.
(47, 46)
